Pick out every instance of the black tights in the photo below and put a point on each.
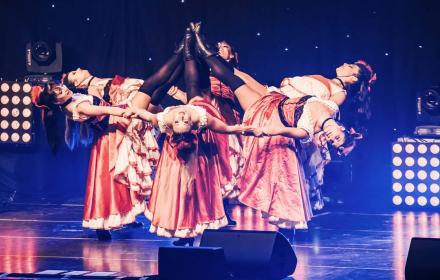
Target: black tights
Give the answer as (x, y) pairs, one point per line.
(192, 79)
(161, 76)
(224, 73)
(161, 91)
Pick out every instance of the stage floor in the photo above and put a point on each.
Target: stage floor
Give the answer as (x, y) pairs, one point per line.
(338, 245)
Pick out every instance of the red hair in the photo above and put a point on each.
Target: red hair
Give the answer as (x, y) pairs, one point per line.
(184, 144)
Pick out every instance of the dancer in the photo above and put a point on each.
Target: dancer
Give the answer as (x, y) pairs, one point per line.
(353, 81)
(121, 207)
(186, 196)
(273, 179)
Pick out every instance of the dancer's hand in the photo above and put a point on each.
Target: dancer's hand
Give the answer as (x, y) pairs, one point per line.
(131, 112)
(271, 130)
(251, 131)
(195, 27)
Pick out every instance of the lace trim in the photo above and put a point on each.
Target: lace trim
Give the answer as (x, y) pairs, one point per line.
(186, 232)
(78, 99)
(283, 223)
(116, 221)
(306, 122)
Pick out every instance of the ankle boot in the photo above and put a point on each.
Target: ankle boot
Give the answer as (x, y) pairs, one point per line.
(188, 45)
(202, 46)
(184, 241)
(179, 47)
(103, 235)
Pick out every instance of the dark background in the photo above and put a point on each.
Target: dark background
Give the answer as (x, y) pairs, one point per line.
(275, 39)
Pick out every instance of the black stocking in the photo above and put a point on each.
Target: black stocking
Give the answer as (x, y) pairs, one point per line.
(223, 73)
(162, 90)
(192, 80)
(161, 76)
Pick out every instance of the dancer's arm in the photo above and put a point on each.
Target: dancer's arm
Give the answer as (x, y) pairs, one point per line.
(219, 126)
(90, 110)
(251, 82)
(292, 132)
(133, 112)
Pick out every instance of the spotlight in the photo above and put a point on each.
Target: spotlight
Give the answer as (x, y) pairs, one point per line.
(409, 200)
(422, 187)
(434, 188)
(422, 201)
(43, 57)
(409, 161)
(434, 162)
(397, 161)
(409, 174)
(397, 174)
(397, 148)
(422, 162)
(409, 148)
(397, 187)
(422, 175)
(434, 175)
(434, 201)
(428, 106)
(415, 171)
(409, 187)
(397, 200)
(15, 113)
(422, 148)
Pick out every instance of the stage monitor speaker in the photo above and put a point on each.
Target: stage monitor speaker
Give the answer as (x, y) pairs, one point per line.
(254, 254)
(192, 263)
(423, 260)
(44, 57)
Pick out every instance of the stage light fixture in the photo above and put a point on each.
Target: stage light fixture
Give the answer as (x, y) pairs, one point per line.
(422, 162)
(409, 200)
(15, 114)
(422, 175)
(409, 161)
(409, 174)
(422, 201)
(397, 200)
(434, 175)
(434, 201)
(43, 57)
(409, 187)
(397, 148)
(409, 148)
(397, 187)
(415, 173)
(397, 161)
(422, 148)
(397, 174)
(421, 188)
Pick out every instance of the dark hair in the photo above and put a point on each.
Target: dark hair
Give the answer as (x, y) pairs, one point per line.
(184, 143)
(45, 101)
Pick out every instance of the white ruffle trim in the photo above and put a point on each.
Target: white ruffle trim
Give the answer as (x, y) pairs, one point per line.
(185, 232)
(116, 221)
(283, 223)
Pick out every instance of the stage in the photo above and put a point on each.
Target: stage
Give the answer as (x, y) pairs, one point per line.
(338, 245)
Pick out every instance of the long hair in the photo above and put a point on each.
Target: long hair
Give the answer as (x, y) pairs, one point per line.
(43, 99)
(360, 96)
(184, 144)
